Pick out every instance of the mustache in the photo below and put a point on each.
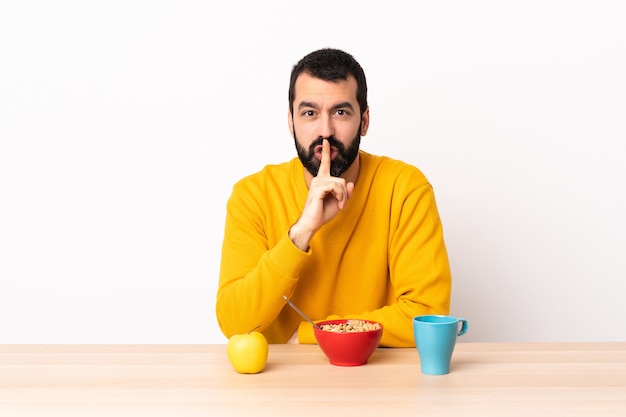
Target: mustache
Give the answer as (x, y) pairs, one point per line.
(331, 140)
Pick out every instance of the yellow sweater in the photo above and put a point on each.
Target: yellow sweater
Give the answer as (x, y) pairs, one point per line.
(382, 258)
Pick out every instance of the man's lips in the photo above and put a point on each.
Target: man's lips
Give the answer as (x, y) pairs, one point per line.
(333, 152)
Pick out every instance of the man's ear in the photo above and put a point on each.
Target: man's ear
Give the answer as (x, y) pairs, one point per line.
(365, 121)
(290, 122)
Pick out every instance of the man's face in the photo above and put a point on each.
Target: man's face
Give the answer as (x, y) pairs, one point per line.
(327, 110)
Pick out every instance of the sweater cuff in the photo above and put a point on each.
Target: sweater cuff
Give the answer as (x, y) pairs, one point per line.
(305, 334)
(287, 258)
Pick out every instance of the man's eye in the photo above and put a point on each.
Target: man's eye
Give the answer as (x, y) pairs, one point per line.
(342, 112)
(308, 113)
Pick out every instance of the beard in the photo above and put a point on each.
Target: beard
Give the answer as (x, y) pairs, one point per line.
(344, 159)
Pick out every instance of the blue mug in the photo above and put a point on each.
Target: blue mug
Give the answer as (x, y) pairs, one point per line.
(435, 338)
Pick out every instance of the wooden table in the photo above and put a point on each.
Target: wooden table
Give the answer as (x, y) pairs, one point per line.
(486, 379)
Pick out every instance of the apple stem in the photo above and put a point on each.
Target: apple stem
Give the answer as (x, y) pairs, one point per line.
(254, 329)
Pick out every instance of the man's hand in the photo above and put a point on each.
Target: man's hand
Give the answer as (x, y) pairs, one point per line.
(327, 196)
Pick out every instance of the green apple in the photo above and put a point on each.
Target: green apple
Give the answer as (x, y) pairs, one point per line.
(248, 352)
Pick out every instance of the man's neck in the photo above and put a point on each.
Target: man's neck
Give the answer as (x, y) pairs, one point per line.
(351, 174)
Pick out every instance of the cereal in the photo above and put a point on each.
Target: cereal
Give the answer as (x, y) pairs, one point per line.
(351, 326)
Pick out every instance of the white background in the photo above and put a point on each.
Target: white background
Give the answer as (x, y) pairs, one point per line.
(124, 124)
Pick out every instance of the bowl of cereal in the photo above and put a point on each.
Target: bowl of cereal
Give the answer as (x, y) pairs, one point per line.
(348, 342)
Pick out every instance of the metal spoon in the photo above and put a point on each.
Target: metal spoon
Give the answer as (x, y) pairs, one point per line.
(301, 313)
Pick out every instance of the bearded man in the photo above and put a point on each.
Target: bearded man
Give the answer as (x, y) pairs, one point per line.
(343, 233)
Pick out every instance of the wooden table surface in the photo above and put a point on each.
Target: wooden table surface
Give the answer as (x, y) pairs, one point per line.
(486, 379)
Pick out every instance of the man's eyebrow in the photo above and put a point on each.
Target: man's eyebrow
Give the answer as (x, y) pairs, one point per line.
(343, 105)
(304, 104)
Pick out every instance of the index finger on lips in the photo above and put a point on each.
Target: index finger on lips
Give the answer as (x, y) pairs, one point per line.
(325, 162)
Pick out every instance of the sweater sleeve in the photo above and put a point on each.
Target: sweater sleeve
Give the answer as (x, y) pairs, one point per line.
(418, 266)
(253, 276)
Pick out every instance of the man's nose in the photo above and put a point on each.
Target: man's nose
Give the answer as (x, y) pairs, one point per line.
(326, 127)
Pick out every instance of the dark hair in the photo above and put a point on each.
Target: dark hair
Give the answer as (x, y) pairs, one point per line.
(330, 65)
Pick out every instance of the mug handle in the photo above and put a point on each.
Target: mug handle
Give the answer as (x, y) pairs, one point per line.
(463, 327)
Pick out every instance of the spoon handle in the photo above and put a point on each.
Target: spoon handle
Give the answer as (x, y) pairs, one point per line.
(301, 313)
